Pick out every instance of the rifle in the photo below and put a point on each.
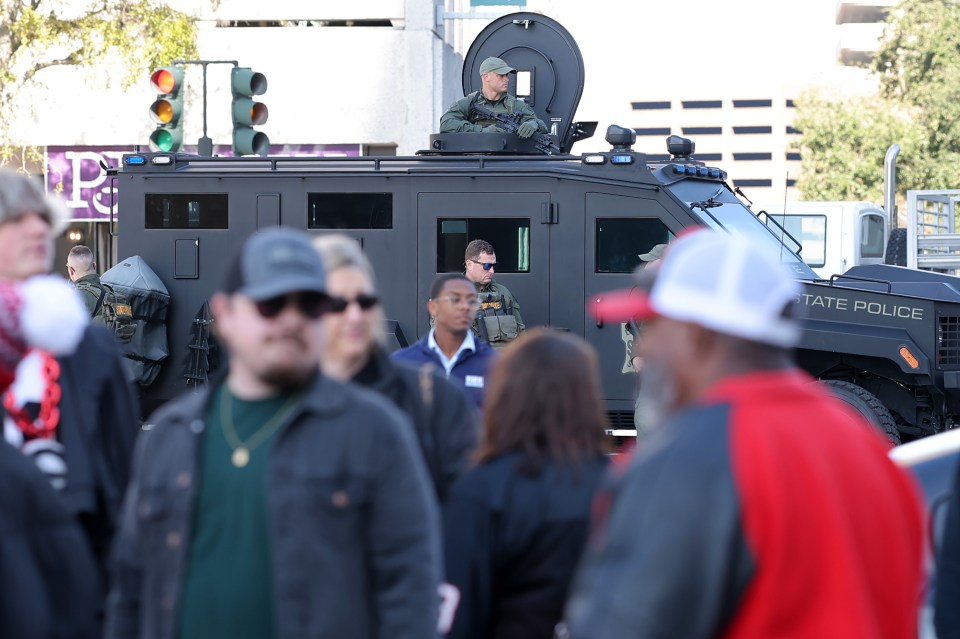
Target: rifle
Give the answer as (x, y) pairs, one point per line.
(510, 122)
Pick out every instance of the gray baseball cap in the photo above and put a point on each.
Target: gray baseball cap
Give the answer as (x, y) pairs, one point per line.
(496, 65)
(276, 262)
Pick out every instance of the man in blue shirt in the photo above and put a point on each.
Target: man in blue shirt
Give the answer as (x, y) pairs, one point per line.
(450, 344)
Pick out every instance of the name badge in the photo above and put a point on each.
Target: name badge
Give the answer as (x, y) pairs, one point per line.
(473, 381)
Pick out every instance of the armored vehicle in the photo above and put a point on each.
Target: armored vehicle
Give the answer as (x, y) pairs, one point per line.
(565, 228)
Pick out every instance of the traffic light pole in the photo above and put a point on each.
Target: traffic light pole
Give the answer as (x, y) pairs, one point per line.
(205, 144)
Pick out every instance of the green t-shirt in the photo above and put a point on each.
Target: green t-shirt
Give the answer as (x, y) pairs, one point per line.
(228, 586)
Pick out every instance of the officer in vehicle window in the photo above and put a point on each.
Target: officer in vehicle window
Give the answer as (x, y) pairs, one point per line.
(648, 263)
(498, 318)
(495, 78)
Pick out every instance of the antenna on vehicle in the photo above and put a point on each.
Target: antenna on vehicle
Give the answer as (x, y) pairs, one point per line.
(783, 227)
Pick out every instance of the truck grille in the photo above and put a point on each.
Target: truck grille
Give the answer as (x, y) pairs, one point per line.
(620, 429)
(948, 341)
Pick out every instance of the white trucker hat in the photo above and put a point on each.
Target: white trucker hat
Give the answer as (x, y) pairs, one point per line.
(723, 282)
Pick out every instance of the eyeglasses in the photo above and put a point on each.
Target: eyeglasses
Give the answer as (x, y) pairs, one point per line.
(456, 300)
(365, 302)
(311, 305)
(486, 265)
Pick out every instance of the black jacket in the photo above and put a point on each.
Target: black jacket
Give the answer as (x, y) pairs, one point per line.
(99, 423)
(442, 413)
(48, 577)
(512, 542)
(355, 546)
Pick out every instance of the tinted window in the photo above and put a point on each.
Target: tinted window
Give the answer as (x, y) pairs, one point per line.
(871, 236)
(349, 210)
(621, 242)
(510, 238)
(185, 211)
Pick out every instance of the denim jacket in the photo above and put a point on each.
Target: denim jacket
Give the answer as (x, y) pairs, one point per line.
(353, 522)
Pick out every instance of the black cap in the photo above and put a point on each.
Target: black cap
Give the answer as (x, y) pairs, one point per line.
(276, 262)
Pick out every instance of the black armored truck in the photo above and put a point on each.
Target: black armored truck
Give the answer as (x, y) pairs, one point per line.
(565, 227)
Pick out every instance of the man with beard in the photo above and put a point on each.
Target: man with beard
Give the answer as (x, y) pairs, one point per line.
(759, 505)
(277, 502)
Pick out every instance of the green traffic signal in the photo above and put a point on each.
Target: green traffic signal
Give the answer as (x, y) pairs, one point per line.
(167, 109)
(247, 112)
(166, 140)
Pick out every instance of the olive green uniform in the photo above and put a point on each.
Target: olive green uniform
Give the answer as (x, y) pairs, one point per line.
(90, 288)
(498, 319)
(461, 117)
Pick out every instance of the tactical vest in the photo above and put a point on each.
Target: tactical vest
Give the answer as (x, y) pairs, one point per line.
(495, 322)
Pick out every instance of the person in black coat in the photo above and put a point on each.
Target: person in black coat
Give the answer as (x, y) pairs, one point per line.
(49, 577)
(946, 614)
(442, 414)
(516, 524)
(75, 415)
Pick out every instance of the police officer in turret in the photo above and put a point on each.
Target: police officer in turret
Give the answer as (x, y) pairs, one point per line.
(498, 319)
(495, 79)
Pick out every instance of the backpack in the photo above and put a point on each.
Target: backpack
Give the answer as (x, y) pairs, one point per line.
(117, 313)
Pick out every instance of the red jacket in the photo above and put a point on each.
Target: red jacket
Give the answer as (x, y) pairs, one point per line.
(769, 509)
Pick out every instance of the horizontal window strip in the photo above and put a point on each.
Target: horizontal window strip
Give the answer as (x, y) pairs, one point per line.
(791, 130)
(751, 104)
(754, 183)
(702, 130)
(657, 131)
(752, 157)
(649, 106)
(752, 130)
(657, 157)
(709, 157)
(702, 104)
(791, 182)
(790, 104)
(793, 155)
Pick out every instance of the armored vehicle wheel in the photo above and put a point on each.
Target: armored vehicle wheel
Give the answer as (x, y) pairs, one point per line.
(867, 404)
(896, 248)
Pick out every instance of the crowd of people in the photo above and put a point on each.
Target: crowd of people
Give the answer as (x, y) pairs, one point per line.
(320, 486)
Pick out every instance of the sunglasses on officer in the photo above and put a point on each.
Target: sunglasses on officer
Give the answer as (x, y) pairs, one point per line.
(310, 304)
(364, 301)
(486, 265)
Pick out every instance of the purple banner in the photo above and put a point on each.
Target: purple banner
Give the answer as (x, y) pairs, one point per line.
(74, 173)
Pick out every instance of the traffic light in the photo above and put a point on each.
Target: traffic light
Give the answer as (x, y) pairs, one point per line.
(248, 113)
(167, 109)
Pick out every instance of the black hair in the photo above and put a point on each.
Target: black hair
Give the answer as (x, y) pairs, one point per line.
(442, 280)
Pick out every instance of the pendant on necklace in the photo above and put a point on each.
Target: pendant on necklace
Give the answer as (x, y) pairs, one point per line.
(240, 457)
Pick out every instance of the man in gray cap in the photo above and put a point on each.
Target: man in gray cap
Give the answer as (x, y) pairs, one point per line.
(277, 502)
(495, 78)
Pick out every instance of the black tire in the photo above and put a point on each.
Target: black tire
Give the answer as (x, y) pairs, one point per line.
(896, 248)
(868, 405)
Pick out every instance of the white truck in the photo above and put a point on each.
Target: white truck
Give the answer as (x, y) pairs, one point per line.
(834, 236)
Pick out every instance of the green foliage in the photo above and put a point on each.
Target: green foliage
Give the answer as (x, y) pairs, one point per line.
(917, 106)
(132, 35)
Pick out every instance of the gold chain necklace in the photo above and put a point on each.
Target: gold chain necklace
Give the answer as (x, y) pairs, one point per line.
(242, 449)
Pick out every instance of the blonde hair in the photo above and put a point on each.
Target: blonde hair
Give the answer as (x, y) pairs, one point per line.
(341, 251)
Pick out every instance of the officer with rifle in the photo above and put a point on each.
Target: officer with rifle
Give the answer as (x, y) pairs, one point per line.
(483, 111)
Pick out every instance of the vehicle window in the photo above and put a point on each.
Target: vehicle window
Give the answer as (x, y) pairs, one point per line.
(621, 242)
(811, 232)
(719, 208)
(349, 210)
(509, 236)
(185, 211)
(871, 236)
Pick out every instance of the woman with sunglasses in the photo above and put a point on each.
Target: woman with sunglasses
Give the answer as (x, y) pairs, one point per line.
(441, 413)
